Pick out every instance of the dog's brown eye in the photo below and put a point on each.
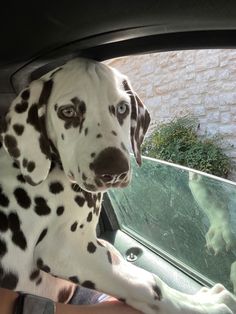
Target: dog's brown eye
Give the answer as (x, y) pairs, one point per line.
(122, 107)
(68, 112)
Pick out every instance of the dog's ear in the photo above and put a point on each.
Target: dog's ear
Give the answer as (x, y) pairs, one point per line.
(140, 120)
(24, 132)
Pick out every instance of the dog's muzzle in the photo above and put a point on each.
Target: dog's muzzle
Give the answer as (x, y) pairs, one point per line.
(111, 168)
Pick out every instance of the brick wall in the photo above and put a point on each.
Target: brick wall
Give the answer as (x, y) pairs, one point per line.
(200, 82)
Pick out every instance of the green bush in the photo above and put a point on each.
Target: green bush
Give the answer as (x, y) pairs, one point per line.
(178, 142)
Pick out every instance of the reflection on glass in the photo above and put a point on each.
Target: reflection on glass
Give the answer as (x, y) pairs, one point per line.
(190, 215)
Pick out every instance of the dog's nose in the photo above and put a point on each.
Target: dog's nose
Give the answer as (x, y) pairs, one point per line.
(111, 165)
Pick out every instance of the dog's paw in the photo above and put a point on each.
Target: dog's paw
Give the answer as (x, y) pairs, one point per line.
(216, 300)
(220, 237)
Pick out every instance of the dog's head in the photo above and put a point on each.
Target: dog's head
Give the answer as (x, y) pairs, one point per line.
(85, 114)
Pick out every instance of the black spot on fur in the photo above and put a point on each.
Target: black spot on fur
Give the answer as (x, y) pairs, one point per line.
(90, 217)
(80, 200)
(25, 94)
(91, 166)
(99, 135)
(158, 293)
(81, 226)
(38, 282)
(88, 284)
(3, 222)
(89, 199)
(44, 146)
(91, 248)
(93, 155)
(29, 180)
(80, 105)
(60, 210)
(20, 178)
(56, 187)
(46, 92)
(86, 132)
(74, 226)
(74, 279)
(30, 166)
(42, 235)
(19, 239)
(21, 107)
(42, 266)
(11, 145)
(9, 280)
(41, 207)
(24, 162)
(3, 248)
(18, 128)
(14, 152)
(34, 274)
(22, 198)
(14, 222)
(62, 136)
(55, 153)
(32, 118)
(53, 165)
(16, 164)
(4, 200)
(114, 133)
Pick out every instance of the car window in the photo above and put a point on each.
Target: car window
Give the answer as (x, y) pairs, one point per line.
(182, 201)
(185, 215)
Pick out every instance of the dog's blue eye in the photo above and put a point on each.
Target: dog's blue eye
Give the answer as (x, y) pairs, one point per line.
(122, 108)
(68, 112)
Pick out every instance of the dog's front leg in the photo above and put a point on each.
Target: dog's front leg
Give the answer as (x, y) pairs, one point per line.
(93, 263)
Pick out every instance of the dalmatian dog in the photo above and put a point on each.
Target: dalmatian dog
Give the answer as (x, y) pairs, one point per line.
(215, 205)
(65, 141)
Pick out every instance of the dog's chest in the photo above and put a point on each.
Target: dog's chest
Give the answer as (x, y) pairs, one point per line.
(26, 211)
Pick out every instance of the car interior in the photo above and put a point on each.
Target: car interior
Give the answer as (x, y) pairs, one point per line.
(37, 38)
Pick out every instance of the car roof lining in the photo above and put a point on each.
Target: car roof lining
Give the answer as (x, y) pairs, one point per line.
(32, 31)
(107, 49)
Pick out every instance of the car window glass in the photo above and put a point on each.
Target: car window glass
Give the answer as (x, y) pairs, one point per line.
(186, 215)
(182, 201)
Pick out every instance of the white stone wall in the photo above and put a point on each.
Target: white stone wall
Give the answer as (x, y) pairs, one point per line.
(199, 82)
